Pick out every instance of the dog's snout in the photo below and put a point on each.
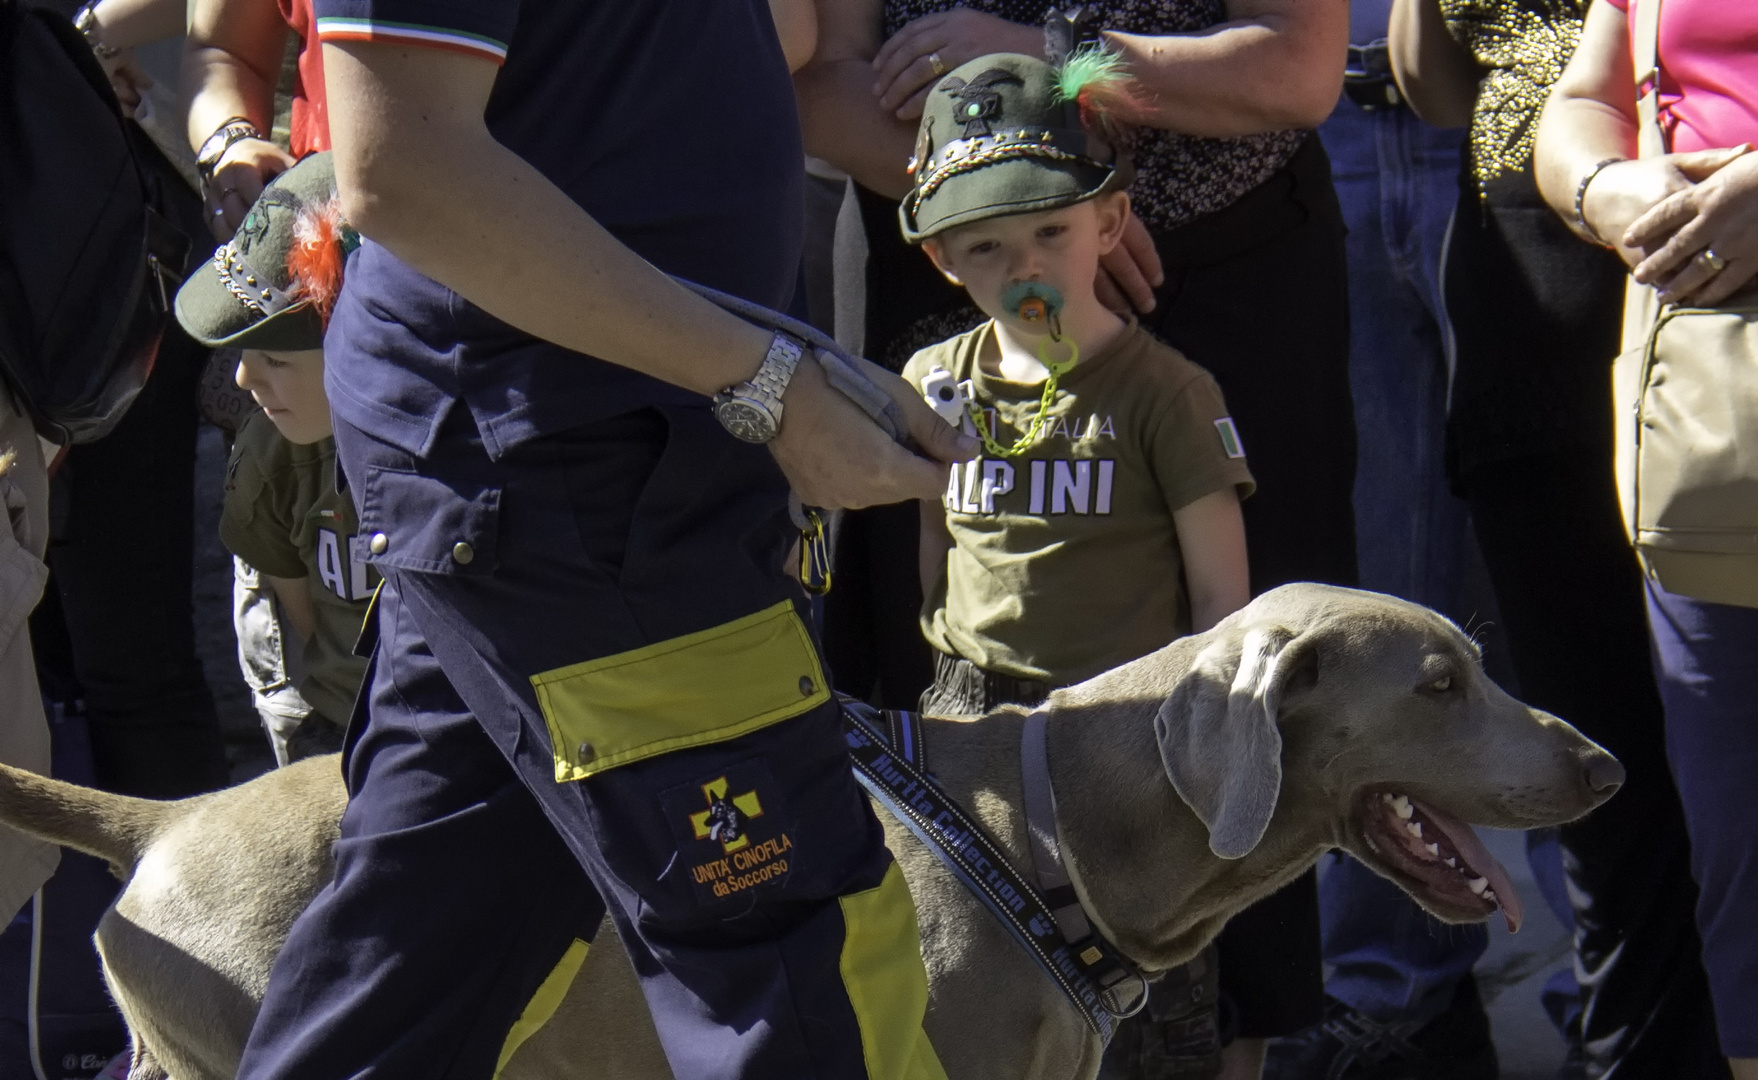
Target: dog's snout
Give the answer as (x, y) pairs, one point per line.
(1604, 774)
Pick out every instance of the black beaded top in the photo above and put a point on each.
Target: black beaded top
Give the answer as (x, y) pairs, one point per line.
(1524, 45)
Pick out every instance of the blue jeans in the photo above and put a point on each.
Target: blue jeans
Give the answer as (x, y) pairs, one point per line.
(1397, 179)
(1704, 665)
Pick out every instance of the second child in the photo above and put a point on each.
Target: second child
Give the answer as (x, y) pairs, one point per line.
(1102, 520)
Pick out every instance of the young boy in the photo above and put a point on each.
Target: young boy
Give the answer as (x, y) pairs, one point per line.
(267, 293)
(1102, 519)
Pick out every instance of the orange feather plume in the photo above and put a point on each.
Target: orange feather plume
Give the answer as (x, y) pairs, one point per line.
(320, 248)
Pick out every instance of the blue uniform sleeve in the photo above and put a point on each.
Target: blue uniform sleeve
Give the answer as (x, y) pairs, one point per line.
(475, 27)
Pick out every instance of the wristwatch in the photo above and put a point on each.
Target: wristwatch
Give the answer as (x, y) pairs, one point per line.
(214, 147)
(85, 20)
(752, 410)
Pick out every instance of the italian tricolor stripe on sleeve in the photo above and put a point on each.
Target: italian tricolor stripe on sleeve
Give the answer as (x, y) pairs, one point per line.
(336, 28)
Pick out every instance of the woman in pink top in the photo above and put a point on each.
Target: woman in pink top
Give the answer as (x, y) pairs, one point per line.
(1686, 222)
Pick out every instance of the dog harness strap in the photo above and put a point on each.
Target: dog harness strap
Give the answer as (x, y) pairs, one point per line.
(976, 859)
(1040, 814)
(1101, 960)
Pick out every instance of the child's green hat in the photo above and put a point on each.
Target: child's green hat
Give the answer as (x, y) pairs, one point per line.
(1010, 134)
(272, 285)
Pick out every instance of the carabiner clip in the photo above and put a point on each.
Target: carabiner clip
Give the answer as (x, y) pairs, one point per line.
(814, 555)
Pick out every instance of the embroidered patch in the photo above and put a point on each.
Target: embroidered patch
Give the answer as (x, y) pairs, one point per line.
(1230, 437)
(732, 832)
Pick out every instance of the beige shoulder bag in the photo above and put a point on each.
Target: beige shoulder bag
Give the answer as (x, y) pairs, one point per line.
(1685, 393)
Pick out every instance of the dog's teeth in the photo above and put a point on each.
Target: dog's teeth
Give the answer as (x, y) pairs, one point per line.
(1402, 805)
(1478, 884)
(1490, 895)
(1385, 796)
(1414, 828)
(1433, 849)
(1452, 862)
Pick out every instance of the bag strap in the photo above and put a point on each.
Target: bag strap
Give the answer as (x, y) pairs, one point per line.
(1641, 302)
(1645, 60)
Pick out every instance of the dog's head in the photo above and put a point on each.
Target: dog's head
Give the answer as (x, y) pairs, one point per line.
(1320, 717)
(1375, 714)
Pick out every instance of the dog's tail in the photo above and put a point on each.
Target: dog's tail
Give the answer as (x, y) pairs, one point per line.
(112, 827)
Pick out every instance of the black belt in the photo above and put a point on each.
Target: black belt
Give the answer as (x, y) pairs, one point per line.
(963, 687)
(1367, 80)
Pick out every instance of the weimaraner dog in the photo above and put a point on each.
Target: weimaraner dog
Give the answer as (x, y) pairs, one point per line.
(1188, 784)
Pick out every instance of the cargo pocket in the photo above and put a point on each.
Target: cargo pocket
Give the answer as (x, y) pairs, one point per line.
(706, 687)
(414, 522)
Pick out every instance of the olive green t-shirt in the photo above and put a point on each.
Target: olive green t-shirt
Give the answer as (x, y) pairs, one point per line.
(284, 516)
(1065, 562)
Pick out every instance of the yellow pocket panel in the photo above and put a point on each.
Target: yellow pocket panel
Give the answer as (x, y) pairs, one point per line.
(706, 687)
(886, 981)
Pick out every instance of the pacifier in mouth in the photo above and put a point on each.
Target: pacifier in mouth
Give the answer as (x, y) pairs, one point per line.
(1035, 303)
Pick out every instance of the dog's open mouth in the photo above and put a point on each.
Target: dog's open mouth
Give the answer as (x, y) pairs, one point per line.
(1438, 857)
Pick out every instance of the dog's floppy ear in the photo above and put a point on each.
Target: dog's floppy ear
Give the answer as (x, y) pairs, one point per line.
(1218, 735)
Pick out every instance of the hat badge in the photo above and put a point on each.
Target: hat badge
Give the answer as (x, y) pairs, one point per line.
(977, 102)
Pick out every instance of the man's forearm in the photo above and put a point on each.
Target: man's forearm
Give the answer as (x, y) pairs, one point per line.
(428, 182)
(220, 88)
(843, 124)
(125, 24)
(231, 62)
(1243, 77)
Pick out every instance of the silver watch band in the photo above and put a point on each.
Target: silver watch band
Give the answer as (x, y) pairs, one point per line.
(778, 368)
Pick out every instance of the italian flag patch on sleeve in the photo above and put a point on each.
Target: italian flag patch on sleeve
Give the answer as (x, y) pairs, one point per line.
(1230, 437)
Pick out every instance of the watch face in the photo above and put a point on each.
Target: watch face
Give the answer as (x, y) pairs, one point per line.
(745, 420)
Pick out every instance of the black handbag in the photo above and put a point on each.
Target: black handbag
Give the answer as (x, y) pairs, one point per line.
(89, 255)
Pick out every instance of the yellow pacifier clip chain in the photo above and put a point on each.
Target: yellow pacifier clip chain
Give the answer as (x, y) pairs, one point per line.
(1056, 368)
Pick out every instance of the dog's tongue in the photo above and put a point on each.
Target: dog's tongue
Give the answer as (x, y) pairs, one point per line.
(1464, 840)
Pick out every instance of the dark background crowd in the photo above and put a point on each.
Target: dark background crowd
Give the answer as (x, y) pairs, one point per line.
(1414, 341)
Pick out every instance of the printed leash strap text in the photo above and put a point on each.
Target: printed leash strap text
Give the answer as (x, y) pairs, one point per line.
(973, 857)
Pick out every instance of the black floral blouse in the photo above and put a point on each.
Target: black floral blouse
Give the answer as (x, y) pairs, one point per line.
(1179, 177)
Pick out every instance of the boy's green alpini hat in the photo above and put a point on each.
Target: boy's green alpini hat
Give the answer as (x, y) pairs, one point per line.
(271, 286)
(1010, 134)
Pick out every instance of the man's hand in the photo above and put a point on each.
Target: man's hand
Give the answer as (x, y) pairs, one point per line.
(1720, 214)
(835, 456)
(127, 78)
(904, 69)
(1130, 272)
(239, 177)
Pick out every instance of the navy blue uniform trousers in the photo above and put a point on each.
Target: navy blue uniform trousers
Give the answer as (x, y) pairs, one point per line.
(494, 817)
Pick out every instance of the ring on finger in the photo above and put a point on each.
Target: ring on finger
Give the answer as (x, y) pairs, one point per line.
(1712, 260)
(937, 64)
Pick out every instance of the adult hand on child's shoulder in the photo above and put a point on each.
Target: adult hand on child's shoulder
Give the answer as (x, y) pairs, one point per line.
(835, 456)
(1130, 272)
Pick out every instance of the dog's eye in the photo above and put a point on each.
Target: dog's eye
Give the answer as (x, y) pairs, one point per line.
(1441, 685)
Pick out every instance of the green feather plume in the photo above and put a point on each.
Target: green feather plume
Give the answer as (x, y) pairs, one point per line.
(1089, 69)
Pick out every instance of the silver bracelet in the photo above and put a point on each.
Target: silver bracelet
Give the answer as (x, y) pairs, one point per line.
(1581, 199)
(85, 20)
